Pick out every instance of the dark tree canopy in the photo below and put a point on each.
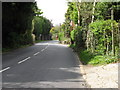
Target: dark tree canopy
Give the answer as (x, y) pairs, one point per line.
(17, 23)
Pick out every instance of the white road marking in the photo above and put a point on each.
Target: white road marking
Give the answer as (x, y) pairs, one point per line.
(4, 69)
(36, 53)
(42, 49)
(46, 47)
(24, 60)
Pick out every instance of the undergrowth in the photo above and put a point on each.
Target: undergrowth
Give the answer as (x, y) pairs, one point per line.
(87, 57)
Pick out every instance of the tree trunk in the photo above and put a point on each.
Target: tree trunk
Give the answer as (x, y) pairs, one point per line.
(119, 39)
(113, 46)
(93, 11)
(92, 36)
(88, 39)
(78, 7)
(104, 43)
(92, 41)
(107, 47)
(118, 34)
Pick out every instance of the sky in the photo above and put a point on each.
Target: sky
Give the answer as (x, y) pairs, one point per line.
(53, 10)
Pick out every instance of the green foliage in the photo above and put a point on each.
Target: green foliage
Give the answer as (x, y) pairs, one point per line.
(72, 35)
(41, 26)
(38, 41)
(76, 36)
(103, 60)
(38, 12)
(102, 31)
(17, 23)
(101, 10)
(88, 58)
(85, 56)
(96, 32)
(55, 32)
(59, 32)
(61, 36)
(72, 9)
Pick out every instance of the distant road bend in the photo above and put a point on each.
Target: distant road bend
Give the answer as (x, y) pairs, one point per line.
(43, 65)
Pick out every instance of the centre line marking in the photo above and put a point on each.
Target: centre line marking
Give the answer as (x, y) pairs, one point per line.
(42, 49)
(46, 47)
(4, 69)
(36, 53)
(24, 60)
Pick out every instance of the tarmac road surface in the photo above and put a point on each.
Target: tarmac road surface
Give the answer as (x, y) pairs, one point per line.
(44, 65)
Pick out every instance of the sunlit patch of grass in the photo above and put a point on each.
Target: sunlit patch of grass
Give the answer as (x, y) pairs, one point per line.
(85, 56)
(88, 58)
(72, 46)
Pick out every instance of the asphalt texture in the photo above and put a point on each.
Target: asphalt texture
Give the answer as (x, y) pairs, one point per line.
(44, 65)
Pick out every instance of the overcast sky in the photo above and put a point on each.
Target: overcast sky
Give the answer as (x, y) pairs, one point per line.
(53, 10)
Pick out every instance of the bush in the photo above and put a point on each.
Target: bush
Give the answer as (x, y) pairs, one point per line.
(72, 34)
(88, 58)
(85, 56)
(76, 36)
(61, 36)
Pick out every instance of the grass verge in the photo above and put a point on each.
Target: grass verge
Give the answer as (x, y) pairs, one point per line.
(5, 50)
(37, 41)
(88, 58)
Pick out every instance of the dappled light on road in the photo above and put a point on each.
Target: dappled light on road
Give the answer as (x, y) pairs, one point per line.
(54, 42)
(47, 64)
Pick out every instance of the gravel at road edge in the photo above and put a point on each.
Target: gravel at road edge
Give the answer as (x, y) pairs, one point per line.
(105, 76)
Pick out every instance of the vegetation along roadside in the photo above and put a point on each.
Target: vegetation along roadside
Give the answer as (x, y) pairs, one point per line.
(93, 30)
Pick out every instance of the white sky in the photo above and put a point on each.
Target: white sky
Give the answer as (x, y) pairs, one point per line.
(53, 10)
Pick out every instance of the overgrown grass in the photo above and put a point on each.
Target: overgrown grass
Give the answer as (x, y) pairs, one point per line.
(37, 41)
(5, 50)
(93, 59)
(89, 58)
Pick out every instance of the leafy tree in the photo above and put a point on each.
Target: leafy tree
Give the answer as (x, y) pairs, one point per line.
(42, 27)
(17, 23)
(97, 28)
(102, 31)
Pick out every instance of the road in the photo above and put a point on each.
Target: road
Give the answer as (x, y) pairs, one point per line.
(43, 65)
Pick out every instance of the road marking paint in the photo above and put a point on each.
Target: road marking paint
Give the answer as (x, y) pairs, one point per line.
(46, 47)
(42, 49)
(24, 60)
(4, 69)
(36, 53)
